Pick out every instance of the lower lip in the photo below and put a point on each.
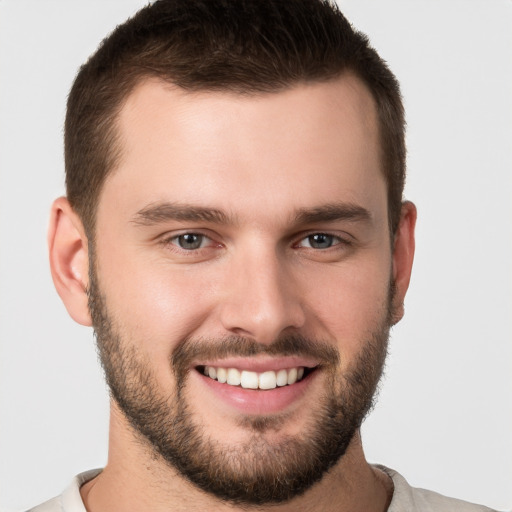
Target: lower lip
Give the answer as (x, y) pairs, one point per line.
(253, 401)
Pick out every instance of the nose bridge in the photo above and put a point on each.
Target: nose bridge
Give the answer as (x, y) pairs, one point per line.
(261, 299)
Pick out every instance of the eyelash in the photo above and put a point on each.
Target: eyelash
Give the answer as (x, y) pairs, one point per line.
(172, 242)
(337, 240)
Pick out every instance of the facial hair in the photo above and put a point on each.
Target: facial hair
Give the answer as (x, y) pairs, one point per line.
(262, 471)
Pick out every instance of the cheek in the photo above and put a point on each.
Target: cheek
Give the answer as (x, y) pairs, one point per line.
(155, 305)
(349, 303)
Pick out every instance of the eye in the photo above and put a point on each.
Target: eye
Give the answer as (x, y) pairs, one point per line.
(190, 241)
(319, 241)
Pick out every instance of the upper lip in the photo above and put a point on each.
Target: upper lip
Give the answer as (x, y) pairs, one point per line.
(261, 364)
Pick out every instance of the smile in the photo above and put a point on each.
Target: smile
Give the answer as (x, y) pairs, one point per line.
(254, 380)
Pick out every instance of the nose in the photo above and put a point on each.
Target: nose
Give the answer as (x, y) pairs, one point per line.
(261, 299)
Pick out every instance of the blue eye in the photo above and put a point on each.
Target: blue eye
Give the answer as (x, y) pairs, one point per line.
(190, 241)
(320, 241)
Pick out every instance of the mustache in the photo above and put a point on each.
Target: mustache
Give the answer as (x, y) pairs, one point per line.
(190, 350)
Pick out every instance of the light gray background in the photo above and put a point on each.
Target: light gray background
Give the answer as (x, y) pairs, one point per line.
(444, 418)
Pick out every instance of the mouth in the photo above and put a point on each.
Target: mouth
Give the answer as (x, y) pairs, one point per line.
(256, 385)
(266, 380)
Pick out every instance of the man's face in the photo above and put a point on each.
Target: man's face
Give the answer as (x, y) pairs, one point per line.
(245, 237)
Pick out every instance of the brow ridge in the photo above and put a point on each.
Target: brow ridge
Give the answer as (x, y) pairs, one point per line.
(160, 212)
(156, 213)
(332, 212)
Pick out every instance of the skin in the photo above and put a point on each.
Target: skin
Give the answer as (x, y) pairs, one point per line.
(259, 159)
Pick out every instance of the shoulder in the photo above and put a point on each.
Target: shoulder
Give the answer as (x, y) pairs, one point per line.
(70, 500)
(412, 499)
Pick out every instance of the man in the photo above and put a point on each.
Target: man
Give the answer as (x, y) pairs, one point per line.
(234, 231)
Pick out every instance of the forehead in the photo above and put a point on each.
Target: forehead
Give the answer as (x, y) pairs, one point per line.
(298, 146)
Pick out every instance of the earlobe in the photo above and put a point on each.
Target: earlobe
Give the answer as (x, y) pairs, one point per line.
(403, 256)
(69, 261)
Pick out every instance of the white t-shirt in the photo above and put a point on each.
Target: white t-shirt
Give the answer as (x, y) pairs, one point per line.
(405, 498)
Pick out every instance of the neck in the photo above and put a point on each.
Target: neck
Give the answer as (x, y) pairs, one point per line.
(135, 479)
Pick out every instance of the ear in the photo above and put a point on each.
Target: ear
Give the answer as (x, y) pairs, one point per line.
(403, 255)
(69, 260)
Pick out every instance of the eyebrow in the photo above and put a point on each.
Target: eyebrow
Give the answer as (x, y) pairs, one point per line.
(157, 213)
(332, 212)
(163, 212)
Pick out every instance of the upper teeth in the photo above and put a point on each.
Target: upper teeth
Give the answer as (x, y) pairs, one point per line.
(254, 380)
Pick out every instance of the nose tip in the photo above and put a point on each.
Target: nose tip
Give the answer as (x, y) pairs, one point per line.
(262, 301)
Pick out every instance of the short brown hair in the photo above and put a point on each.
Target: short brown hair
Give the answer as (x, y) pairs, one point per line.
(243, 46)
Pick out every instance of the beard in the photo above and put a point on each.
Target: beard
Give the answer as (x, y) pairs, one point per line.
(265, 469)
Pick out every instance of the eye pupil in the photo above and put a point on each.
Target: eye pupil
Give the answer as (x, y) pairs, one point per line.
(190, 241)
(320, 241)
